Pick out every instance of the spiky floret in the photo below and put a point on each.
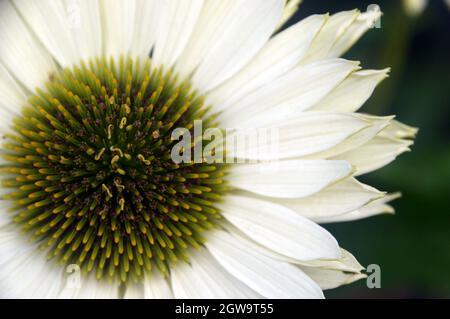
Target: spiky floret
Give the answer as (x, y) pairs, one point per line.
(90, 168)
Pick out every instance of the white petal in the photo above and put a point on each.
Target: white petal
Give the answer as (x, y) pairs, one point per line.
(330, 278)
(4, 220)
(347, 263)
(335, 28)
(329, 274)
(227, 36)
(338, 199)
(281, 54)
(7, 119)
(91, 288)
(50, 21)
(147, 17)
(25, 270)
(70, 30)
(353, 92)
(280, 229)
(375, 154)
(87, 30)
(5, 217)
(288, 179)
(294, 92)
(118, 25)
(399, 130)
(361, 25)
(300, 135)
(157, 286)
(289, 11)
(134, 291)
(380, 206)
(20, 51)
(176, 22)
(376, 125)
(12, 96)
(205, 278)
(374, 208)
(268, 277)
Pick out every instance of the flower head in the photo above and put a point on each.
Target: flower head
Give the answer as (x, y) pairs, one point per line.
(92, 94)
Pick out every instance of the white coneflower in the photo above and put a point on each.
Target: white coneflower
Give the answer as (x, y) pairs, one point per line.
(89, 182)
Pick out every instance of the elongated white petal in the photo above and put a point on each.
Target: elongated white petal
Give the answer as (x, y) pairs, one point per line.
(50, 21)
(332, 273)
(70, 30)
(154, 286)
(353, 92)
(399, 130)
(284, 98)
(20, 51)
(380, 206)
(147, 17)
(118, 25)
(361, 25)
(227, 36)
(279, 229)
(337, 199)
(86, 26)
(289, 11)
(281, 54)
(288, 179)
(268, 277)
(205, 278)
(379, 152)
(176, 23)
(346, 263)
(90, 288)
(335, 28)
(302, 135)
(134, 291)
(24, 270)
(376, 125)
(4, 218)
(330, 278)
(12, 96)
(329, 274)
(157, 286)
(376, 207)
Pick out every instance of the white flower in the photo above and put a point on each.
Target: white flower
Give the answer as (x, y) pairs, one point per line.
(119, 224)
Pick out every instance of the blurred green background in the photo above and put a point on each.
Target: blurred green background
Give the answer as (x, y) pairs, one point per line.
(412, 247)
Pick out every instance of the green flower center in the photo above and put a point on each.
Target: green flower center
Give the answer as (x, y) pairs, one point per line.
(91, 174)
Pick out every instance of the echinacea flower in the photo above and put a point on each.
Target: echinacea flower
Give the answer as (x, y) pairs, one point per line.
(90, 93)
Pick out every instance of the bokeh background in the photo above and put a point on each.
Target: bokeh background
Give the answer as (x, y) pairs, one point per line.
(412, 247)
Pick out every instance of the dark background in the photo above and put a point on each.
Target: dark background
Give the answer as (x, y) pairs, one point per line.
(412, 247)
